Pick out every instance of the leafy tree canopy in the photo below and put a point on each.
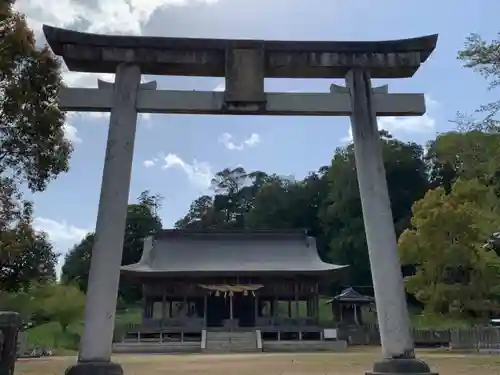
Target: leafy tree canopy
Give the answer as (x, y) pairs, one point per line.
(33, 148)
(455, 272)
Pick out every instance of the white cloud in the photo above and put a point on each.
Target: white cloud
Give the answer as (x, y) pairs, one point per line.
(104, 16)
(414, 124)
(59, 231)
(72, 133)
(430, 102)
(151, 162)
(226, 140)
(199, 173)
(418, 124)
(252, 141)
(85, 80)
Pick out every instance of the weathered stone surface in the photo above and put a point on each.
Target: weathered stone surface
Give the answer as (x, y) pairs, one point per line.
(100, 302)
(245, 76)
(207, 57)
(388, 283)
(212, 103)
(10, 323)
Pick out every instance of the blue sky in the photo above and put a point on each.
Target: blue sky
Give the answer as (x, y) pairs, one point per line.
(175, 156)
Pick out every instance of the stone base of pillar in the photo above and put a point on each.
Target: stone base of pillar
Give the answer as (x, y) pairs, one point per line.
(95, 368)
(401, 366)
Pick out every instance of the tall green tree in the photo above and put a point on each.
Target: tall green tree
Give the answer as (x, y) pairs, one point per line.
(341, 214)
(202, 215)
(235, 196)
(284, 203)
(466, 155)
(230, 196)
(33, 148)
(455, 272)
(142, 221)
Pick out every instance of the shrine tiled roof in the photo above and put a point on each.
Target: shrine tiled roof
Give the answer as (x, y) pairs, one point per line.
(195, 253)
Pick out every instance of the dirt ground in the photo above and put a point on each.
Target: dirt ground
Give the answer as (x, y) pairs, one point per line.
(349, 363)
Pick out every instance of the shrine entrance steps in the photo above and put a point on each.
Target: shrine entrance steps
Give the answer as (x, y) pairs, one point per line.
(231, 342)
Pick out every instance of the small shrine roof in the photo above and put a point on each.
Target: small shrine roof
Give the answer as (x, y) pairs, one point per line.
(350, 295)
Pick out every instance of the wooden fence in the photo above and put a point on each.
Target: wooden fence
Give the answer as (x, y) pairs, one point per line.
(476, 338)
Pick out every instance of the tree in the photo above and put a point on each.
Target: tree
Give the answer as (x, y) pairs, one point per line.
(273, 205)
(77, 263)
(33, 148)
(32, 143)
(142, 221)
(20, 302)
(455, 272)
(231, 197)
(258, 200)
(16, 232)
(235, 194)
(483, 57)
(201, 215)
(467, 155)
(62, 303)
(36, 262)
(341, 215)
(285, 203)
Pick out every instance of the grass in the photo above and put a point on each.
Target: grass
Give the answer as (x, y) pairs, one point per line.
(62, 343)
(51, 335)
(350, 363)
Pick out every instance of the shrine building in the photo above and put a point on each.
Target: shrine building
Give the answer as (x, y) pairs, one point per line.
(203, 288)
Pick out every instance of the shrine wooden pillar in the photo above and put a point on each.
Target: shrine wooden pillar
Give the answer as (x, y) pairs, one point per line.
(205, 308)
(256, 307)
(296, 297)
(316, 303)
(163, 303)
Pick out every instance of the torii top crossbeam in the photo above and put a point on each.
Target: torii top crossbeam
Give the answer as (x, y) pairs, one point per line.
(212, 57)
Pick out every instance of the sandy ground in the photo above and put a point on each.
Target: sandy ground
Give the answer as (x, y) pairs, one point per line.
(350, 363)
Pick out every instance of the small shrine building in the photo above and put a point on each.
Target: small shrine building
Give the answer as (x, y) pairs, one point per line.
(346, 306)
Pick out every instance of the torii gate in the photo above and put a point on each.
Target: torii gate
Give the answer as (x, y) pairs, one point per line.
(244, 64)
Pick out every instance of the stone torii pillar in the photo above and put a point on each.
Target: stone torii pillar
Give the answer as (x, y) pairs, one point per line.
(100, 303)
(392, 312)
(245, 64)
